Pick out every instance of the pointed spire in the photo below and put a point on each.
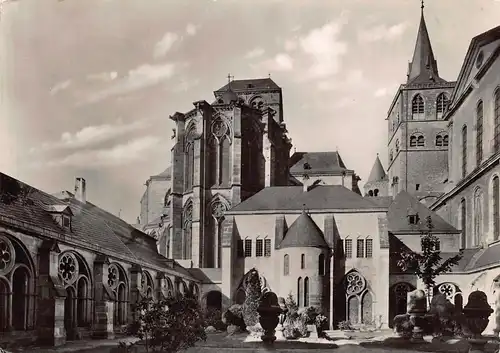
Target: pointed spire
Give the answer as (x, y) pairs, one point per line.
(377, 173)
(423, 67)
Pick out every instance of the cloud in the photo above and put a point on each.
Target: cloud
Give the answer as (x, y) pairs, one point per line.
(165, 44)
(191, 29)
(185, 85)
(385, 91)
(291, 44)
(136, 79)
(281, 62)
(344, 102)
(255, 53)
(103, 76)
(122, 154)
(382, 32)
(353, 78)
(91, 135)
(61, 86)
(324, 49)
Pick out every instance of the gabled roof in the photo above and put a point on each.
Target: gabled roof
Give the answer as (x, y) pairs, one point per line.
(377, 173)
(303, 233)
(277, 199)
(90, 224)
(468, 65)
(423, 67)
(250, 84)
(403, 205)
(320, 163)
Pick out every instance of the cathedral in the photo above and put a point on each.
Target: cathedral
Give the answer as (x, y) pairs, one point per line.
(234, 198)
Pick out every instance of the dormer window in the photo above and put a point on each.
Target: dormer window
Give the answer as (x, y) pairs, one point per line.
(66, 221)
(413, 218)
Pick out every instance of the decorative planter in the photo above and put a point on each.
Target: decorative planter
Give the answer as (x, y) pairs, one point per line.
(476, 313)
(269, 311)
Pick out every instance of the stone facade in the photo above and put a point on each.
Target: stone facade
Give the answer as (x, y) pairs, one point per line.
(67, 273)
(236, 195)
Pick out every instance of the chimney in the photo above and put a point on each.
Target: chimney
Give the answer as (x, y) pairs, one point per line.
(305, 183)
(80, 190)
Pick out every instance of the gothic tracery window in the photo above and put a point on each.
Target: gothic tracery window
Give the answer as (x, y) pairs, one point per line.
(478, 217)
(221, 149)
(187, 231)
(442, 139)
(464, 151)
(189, 160)
(147, 285)
(495, 209)
(218, 209)
(479, 133)
(359, 300)
(117, 281)
(17, 287)
(496, 113)
(417, 107)
(75, 276)
(417, 140)
(441, 105)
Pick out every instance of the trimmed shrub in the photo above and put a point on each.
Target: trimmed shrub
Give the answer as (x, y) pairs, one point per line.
(345, 325)
(252, 300)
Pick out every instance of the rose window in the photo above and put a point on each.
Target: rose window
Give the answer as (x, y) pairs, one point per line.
(401, 290)
(355, 283)
(218, 210)
(219, 128)
(448, 290)
(68, 268)
(113, 276)
(7, 255)
(258, 104)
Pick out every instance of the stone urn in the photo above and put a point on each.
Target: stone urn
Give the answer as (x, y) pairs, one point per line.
(476, 318)
(417, 308)
(269, 310)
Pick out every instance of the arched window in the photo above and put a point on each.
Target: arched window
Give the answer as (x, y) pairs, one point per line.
(496, 113)
(463, 220)
(187, 232)
(391, 156)
(417, 140)
(478, 217)
(479, 133)
(375, 192)
(76, 277)
(370, 193)
(286, 265)
(442, 139)
(221, 149)
(441, 105)
(397, 145)
(464, 151)
(496, 208)
(189, 158)
(359, 300)
(417, 107)
(299, 292)
(306, 292)
(302, 261)
(321, 265)
(118, 283)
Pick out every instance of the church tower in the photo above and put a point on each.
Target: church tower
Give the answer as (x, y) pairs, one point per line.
(378, 182)
(417, 134)
(223, 153)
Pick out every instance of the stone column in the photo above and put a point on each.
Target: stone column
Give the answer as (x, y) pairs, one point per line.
(51, 296)
(104, 300)
(134, 295)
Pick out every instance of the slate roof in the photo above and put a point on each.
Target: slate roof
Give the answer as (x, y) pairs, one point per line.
(243, 85)
(489, 256)
(293, 198)
(423, 67)
(90, 224)
(320, 162)
(377, 173)
(303, 233)
(382, 201)
(397, 216)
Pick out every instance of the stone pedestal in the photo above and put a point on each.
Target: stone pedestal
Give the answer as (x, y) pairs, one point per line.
(417, 307)
(50, 322)
(477, 345)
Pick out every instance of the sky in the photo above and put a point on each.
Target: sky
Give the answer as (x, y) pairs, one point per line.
(87, 86)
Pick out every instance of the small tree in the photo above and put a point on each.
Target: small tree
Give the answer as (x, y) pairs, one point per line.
(428, 264)
(168, 325)
(252, 300)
